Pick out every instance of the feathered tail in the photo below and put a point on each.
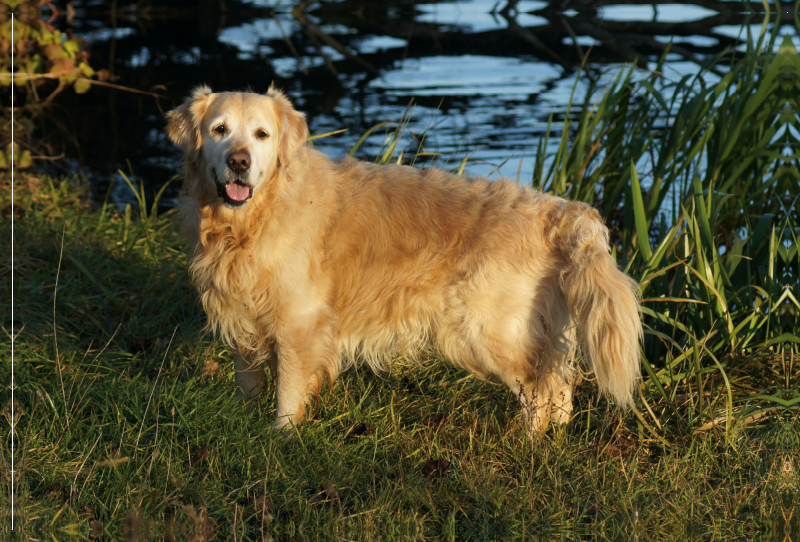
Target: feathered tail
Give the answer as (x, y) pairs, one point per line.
(603, 302)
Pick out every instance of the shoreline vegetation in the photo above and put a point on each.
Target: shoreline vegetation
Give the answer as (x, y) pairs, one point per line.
(126, 428)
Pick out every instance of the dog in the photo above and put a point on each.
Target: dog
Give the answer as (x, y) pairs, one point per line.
(310, 265)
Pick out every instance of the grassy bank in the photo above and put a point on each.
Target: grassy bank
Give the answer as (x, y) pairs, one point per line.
(126, 426)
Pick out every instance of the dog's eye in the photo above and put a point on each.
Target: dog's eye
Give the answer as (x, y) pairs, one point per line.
(220, 129)
(262, 134)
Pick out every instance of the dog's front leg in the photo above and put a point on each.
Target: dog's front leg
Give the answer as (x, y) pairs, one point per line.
(306, 356)
(249, 378)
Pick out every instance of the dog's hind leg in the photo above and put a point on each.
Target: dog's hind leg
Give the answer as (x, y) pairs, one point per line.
(552, 351)
(524, 340)
(528, 374)
(561, 349)
(543, 398)
(531, 381)
(540, 374)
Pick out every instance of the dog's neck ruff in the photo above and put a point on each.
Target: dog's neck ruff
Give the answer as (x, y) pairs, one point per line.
(226, 263)
(224, 270)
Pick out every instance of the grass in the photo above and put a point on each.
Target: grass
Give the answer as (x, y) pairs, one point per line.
(126, 427)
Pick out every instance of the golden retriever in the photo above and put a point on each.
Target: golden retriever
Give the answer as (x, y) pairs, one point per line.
(310, 265)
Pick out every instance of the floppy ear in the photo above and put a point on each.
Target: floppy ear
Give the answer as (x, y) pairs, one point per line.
(183, 127)
(294, 129)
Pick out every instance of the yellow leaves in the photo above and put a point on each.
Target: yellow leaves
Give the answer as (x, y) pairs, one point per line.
(86, 69)
(45, 60)
(64, 69)
(71, 47)
(54, 52)
(42, 53)
(48, 37)
(21, 160)
(22, 34)
(82, 85)
(34, 64)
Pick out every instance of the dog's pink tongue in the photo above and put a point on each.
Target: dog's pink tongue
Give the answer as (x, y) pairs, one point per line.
(237, 192)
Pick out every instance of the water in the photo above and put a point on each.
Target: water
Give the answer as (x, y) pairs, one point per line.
(479, 85)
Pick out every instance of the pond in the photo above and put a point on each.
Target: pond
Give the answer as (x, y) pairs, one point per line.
(481, 77)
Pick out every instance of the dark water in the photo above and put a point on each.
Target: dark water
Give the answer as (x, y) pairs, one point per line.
(484, 76)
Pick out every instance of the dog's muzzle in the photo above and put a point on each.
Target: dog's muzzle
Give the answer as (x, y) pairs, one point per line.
(234, 193)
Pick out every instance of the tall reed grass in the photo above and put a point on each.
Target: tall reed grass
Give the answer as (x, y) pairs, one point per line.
(712, 238)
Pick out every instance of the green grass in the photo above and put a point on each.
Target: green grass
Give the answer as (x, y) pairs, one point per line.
(126, 426)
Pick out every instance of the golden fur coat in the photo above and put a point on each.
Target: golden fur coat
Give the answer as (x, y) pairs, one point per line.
(333, 262)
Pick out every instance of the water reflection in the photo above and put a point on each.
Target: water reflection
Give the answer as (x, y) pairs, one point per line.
(487, 75)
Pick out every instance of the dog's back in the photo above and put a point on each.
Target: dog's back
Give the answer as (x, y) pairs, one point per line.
(405, 242)
(498, 274)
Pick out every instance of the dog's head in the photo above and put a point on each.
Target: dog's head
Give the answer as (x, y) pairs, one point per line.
(237, 140)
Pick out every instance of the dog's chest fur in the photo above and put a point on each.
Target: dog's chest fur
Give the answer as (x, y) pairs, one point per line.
(233, 280)
(252, 270)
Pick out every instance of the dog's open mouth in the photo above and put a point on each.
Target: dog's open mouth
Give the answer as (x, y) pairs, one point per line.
(235, 193)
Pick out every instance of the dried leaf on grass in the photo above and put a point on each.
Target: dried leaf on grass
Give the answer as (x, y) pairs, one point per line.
(211, 368)
(262, 504)
(622, 447)
(96, 528)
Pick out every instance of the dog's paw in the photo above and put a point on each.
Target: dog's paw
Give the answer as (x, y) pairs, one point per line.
(285, 429)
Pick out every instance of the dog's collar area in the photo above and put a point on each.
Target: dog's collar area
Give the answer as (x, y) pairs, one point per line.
(222, 192)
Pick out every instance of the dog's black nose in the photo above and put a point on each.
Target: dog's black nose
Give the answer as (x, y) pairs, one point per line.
(239, 161)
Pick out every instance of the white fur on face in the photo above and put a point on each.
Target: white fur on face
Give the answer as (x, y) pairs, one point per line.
(237, 123)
